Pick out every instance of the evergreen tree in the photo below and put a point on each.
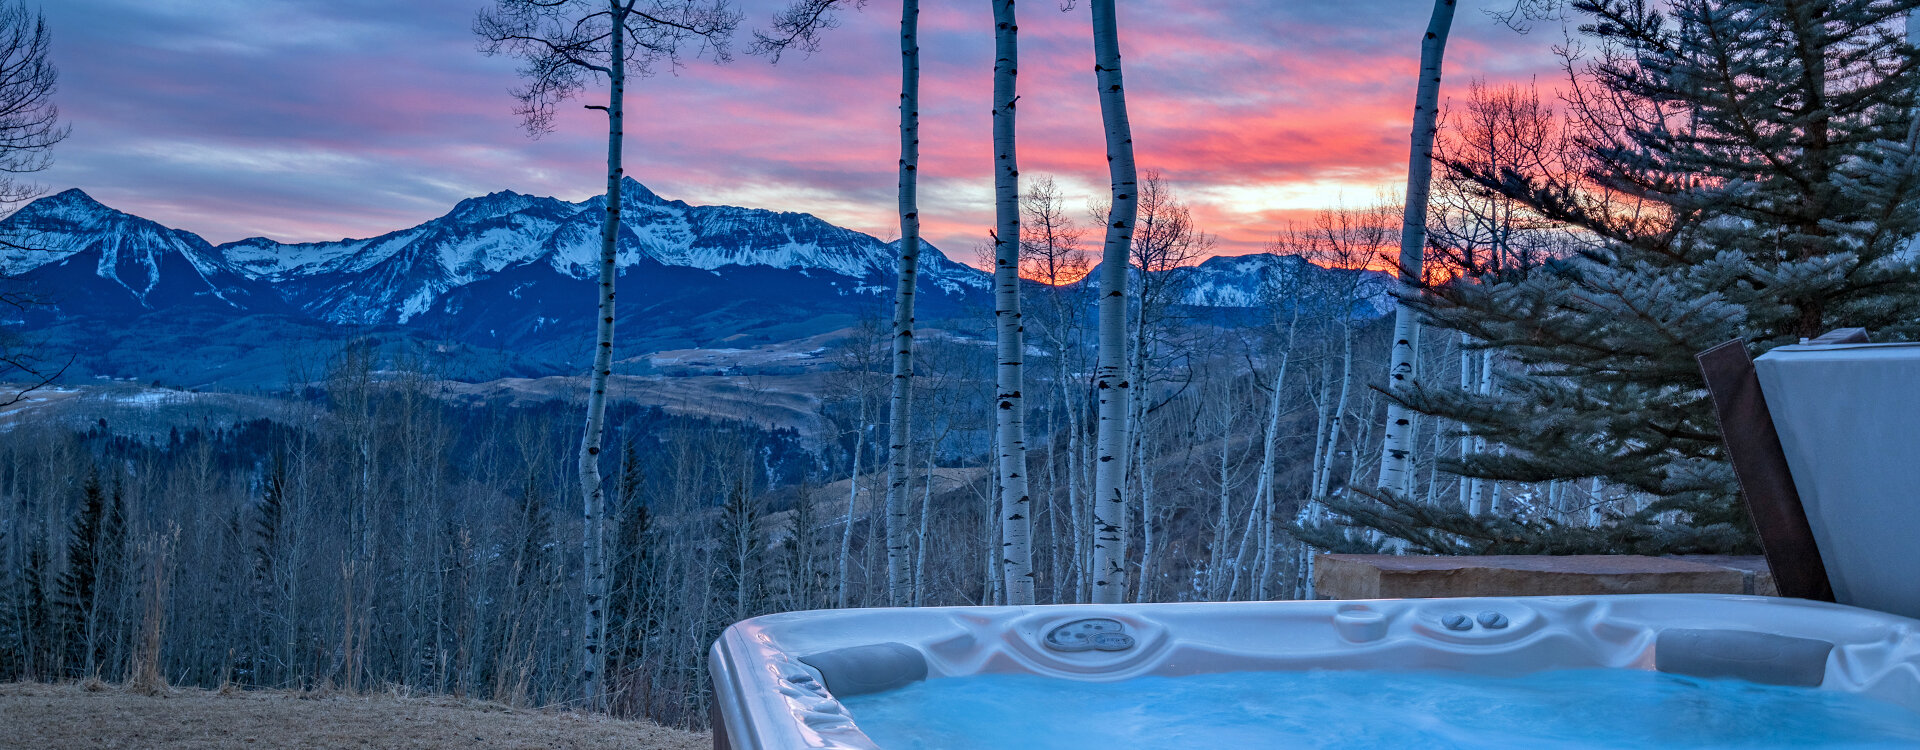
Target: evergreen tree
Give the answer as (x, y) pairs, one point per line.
(738, 581)
(37, 623)
(805, 580)
(630, 614)
(269, 545)
(96, 551)
(1732, 168)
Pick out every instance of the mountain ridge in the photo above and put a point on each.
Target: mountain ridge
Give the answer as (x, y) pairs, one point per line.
(503, 272)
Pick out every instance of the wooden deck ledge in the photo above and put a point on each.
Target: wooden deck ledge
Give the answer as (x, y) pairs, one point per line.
(1409, 576)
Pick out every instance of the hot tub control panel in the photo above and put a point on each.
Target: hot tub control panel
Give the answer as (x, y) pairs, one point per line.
(1090, 634)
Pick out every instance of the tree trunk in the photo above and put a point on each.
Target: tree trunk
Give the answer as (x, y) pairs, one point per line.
(1055, 559)
(1267, 450)
(920, 536)
(853, 494)
(1136, 437)
(1481, 500)
(1396, 445)
(1071, 402)
(1223, 523)
(1010, 408)
(1322, 407)
(593, 500)
(899, 431)
(1109, 504)
(1325, 484)
(1466, 442)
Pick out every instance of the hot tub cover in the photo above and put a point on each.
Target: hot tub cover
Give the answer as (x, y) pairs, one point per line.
(1849, 422)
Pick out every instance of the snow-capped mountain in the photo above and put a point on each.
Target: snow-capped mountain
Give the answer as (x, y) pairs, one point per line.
(1250, 280)
(397, 276)
(507, 273)
(93, 260)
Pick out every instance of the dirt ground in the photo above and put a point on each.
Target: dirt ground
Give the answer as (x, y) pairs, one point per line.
(73, 716)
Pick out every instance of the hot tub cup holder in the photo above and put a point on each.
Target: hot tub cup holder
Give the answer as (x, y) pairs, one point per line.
(1359, 623)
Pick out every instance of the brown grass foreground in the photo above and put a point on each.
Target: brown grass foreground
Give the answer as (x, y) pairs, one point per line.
(93, 715)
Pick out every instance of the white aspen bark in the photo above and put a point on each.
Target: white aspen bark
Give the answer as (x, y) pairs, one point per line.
(853, 494)
(1016, 521)
(593, 500)
(1142, 586)
(1395, 447)
(1074, 502)
(1267, 456)
(1412, 465)
(1433, 471)
(920, 537)
(1594, 502)
(1263, 568)
(900, 424)
(1322, 407)
(1262, 512)
(1240, 562)
(1136, 436)
(1222, 524)
(1055, 561)
(1306, 575)
(1325, 486)
(990, 551)
(1363, 436)
(1109, 502)
(1466, 442)
(1482, 500)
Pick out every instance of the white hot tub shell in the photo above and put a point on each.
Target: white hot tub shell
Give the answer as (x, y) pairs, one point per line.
(776, 677)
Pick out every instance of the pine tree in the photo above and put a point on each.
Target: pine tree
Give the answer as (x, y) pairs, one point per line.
(805, 579)
(96, 552)
(269, 547)
(1734, 168)
(39, 625)
(630, 616)
(738, 581)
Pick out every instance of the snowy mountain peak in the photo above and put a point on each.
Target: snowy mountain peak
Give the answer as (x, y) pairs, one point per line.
(71, 208)
(490, 205)
(70, 244)
(632, 192)
(73, 199)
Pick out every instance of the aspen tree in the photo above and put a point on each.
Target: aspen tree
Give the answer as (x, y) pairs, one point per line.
(1395, 446)
(1009, 405)
(564, 44)
(1110, 379)
(900, 422)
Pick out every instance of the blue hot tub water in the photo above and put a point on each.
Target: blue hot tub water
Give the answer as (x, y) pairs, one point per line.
(1590, 708)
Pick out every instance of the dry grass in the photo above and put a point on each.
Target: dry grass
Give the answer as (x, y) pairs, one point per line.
(96, 715)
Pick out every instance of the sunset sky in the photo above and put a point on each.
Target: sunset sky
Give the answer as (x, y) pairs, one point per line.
(325, 119)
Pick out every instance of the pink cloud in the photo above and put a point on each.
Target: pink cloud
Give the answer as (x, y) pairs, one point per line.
(397, 116)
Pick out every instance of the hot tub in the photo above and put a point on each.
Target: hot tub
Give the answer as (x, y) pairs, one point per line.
(782, 681)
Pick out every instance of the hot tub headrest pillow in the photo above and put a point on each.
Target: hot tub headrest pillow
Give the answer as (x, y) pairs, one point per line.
(1767, 658)
(868, 669)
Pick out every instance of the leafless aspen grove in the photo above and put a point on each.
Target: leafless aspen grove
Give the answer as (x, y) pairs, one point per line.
(379, 532)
